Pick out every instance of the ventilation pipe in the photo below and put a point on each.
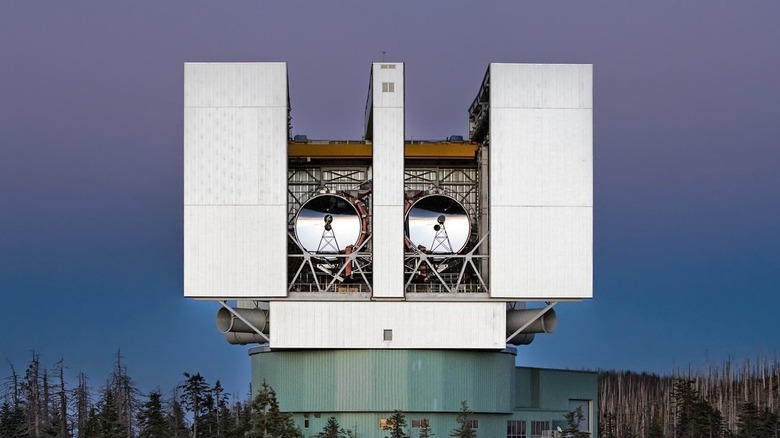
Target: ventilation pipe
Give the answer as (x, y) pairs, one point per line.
(522, 339)
(237, 331)
(245, 338)
(515, 319)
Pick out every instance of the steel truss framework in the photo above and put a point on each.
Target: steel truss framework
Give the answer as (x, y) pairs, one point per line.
(332, 272)
(425, 272)
(351, 272)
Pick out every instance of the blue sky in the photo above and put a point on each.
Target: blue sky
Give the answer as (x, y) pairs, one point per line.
(687, 151)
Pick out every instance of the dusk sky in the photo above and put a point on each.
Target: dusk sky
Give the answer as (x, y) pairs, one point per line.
(686, 144)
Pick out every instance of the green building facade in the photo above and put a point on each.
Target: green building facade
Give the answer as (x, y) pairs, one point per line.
(362, 388)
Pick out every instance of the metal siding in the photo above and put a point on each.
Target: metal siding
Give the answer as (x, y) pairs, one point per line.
(560, 386)
(388, 156)
(225, 254)
(387, 181)
(541, 157)
(385, 380)
(541, 181)
(235, 180)
(388, 238)
(541, 85)
(220, 159)
(235, 84)
(417, 325)
(541, 252)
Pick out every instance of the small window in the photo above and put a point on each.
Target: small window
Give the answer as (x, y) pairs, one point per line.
(420, 423)
(537, 427)
(515, 429)
(584, 406)
(388, 334)
(474, 424)
(306, 424)
(388, 87)
(386, 423)
(387, 66)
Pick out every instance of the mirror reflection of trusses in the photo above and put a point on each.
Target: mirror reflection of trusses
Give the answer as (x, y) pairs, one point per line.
(328, 226)
(445, 246)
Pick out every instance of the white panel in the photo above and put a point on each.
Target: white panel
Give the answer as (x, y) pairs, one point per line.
(235, 84)
(226, 252)
(414, 325)
(235, 180)
(388, 156)
(221, 156)
(383, 97)
(541, 86)
(387, 179)
(541, 252)
(272, 156)
(388, 240)
(541, 157)
(541, 181)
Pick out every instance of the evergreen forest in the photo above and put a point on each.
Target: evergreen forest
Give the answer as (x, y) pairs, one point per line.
(729, 400)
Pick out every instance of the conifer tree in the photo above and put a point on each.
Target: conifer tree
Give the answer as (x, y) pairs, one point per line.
(573, 421)
(194, 391)
(267, 419)
(465, 427)
(151, 418)
(108, 422)
(396, 424)
(32, 395)
(332, 430)
(81, 400)
(12, 421)
(425, 430)
(175, 416)
(124, 394)
(656, 429)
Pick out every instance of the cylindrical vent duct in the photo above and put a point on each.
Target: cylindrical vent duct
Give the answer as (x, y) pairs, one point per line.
(228, 323)
(522, 339)
(244, 338)
(438, 224)
(542, 324)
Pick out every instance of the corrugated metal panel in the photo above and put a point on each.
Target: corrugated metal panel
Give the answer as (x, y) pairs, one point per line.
(541, 86)
(541, 252)
(226, 251)
(541, 157)
(387, 179)
(235, 183)
(541, 181)
(235, 84)
(382, 380)
(388, 256)
(388, 156)
(413, 324)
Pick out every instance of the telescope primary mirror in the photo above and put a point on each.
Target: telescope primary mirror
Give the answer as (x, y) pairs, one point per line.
(439, 223)
(327, 224)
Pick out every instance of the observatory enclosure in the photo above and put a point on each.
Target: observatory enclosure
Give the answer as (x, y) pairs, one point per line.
(350, 253)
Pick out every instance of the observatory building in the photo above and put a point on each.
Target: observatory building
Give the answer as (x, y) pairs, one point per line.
(384, 274)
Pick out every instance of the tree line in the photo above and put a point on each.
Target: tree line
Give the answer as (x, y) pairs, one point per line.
(729, 400)
(39, 402)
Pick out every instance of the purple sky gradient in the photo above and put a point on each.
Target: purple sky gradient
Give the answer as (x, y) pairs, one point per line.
(687, 152)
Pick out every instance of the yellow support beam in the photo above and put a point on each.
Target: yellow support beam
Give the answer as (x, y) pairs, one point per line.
(443, 150)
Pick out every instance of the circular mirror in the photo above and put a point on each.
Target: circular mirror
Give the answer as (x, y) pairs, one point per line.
(326, 224)
(439, 223)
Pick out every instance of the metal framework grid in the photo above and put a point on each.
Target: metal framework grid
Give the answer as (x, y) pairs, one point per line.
(450, 273)
(309, 272)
